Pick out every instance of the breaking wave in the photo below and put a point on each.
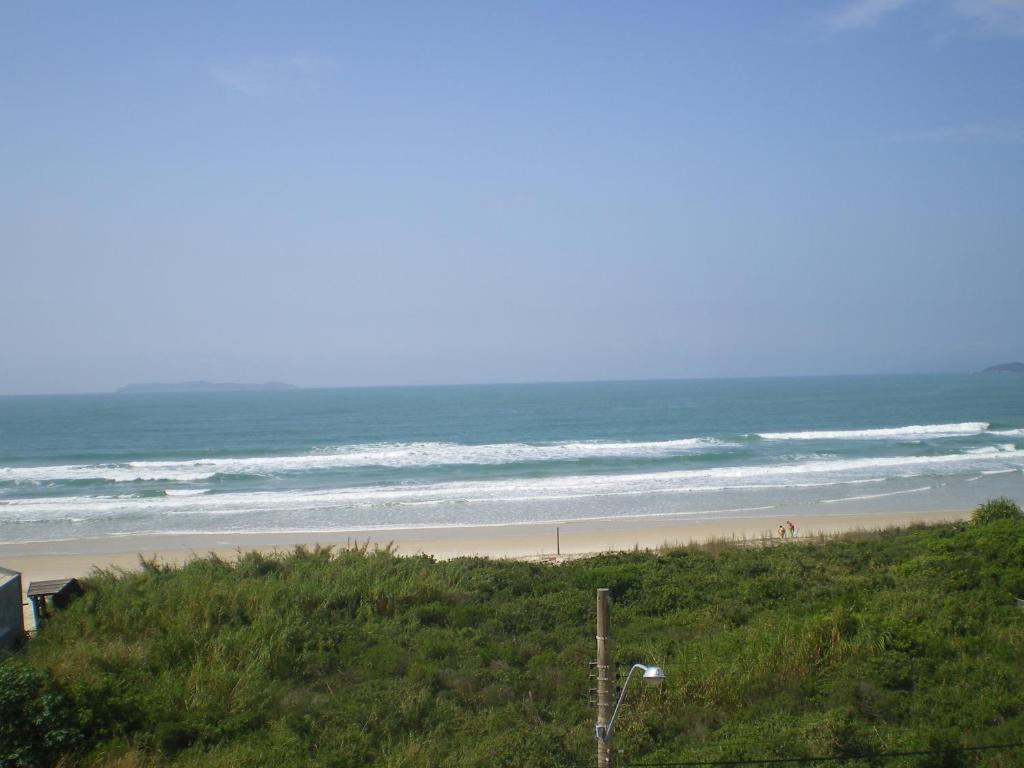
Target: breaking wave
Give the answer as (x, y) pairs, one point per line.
(397, 455)
(917, 432)
(813, 473)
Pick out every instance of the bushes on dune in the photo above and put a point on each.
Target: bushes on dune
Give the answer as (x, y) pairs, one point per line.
(38, 722)
(997, 509)
(899, 640)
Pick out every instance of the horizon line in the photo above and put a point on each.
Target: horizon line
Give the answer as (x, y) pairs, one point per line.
(295, 387)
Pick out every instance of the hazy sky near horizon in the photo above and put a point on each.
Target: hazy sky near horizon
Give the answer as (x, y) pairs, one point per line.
(401, 193)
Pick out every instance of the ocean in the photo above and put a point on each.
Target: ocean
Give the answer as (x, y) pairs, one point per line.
(76, 466)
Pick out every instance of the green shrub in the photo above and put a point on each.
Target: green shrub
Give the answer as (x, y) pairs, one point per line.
(1002, 508)
(37, 721)
(889, 641)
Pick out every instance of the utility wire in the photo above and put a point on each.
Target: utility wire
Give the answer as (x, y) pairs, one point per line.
(835, 758)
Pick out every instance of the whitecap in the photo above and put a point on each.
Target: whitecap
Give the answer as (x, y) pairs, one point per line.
(300, 503)
(394, 455)
(868, 496)
(915, 432)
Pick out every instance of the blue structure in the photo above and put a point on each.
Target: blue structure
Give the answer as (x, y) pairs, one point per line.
(12, 620)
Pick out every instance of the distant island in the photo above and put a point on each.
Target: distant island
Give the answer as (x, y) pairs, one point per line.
(204, 386)
(1005, 367)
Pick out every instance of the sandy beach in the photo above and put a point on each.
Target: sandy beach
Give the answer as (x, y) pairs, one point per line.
(79, 557)
(534, 541)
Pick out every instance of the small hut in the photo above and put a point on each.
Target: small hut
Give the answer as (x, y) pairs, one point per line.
(52, 592)
(12, 619)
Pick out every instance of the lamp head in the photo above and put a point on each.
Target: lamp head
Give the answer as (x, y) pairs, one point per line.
(654, 676)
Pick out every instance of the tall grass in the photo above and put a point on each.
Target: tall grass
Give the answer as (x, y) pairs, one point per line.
(907, 639)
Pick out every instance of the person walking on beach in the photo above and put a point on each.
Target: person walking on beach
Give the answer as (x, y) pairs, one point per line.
(782, 532)
(792, 529)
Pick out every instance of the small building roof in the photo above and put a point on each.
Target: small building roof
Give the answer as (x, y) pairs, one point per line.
(52, 587)
(6, 574)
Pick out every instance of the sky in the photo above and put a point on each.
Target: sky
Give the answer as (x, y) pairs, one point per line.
(339, 194)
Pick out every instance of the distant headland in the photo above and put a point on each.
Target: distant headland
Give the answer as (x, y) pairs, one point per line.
(1005, 368)
(204, 386)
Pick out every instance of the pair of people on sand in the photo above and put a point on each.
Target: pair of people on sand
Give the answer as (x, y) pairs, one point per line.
(787, 527)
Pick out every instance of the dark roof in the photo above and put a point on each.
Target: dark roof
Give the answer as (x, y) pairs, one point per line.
(8, 572)
(52, 587)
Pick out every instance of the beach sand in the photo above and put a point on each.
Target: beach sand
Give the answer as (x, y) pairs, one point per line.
(532, 541)
(78, 557)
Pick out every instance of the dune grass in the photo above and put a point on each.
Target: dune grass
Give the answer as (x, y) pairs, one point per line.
(907, 639)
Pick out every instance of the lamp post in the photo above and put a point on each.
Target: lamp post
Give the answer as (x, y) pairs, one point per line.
(653, 676)
(606, 712)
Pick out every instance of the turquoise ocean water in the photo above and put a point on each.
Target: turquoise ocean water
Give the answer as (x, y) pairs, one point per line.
(356, 459)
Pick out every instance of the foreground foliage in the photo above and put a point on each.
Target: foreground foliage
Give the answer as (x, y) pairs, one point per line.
(37, 721)
(894, 641)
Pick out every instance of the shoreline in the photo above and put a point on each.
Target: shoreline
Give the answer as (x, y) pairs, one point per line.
(79, 557)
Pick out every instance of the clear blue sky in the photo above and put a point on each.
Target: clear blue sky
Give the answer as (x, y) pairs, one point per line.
(383, 193)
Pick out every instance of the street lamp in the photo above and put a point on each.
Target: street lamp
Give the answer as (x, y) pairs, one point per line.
(653, 676)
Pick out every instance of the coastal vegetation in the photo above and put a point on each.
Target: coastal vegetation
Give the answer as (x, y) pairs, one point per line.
(900, 640)
(996, 509)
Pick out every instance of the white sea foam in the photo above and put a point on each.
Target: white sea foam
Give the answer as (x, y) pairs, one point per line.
(702, 514)
(398, 455)
(867, 496)
(426, 454)
(293, 505)
(1007, 432)
(916, 432)
(185, 491)
(991, 449)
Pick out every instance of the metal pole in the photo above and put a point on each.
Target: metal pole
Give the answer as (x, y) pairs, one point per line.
(605, 678)
(558, 542)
